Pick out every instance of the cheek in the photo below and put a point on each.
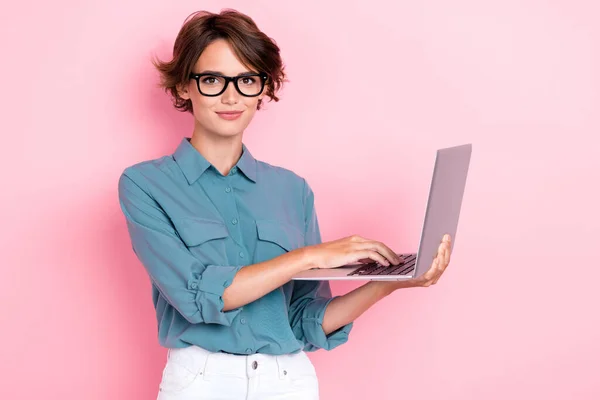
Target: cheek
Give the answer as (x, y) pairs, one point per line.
(251, 105)
(202, 107)
(250, 111)
(204, 104)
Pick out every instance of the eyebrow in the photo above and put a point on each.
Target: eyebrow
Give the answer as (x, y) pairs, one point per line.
(221, 73)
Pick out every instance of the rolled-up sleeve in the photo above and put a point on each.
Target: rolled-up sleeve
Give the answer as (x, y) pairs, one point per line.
(307, 309)
(310, 298)
(193, 289)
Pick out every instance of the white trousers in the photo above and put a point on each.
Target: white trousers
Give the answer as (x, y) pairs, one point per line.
(193, 373)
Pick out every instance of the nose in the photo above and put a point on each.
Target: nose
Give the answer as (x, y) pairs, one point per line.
(230, 95)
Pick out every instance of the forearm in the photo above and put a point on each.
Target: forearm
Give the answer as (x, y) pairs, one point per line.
(345, 309)
(256, 280)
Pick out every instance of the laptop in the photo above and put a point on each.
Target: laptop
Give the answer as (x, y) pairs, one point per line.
(441, 216)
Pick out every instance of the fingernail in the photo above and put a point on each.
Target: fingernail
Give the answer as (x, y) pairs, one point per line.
(446, 237)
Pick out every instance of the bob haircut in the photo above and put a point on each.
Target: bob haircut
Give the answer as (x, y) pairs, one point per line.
(253, 48)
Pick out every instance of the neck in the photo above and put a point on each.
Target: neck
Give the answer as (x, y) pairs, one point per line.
(222, 153)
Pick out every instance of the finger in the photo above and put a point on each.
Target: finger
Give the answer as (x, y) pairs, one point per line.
(443, 266)
(440, 251)
(381, 249)
(365, 260)
(431, 273)
(441, 256)
(447, 255)
(388, 253)
(443, 253)
(446, 239)
(439, 266)
(373, 255)
(437, 278)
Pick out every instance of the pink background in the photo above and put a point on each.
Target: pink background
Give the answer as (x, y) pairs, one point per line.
(375, 87)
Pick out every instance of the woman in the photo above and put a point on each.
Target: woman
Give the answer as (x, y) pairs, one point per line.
(221, 234)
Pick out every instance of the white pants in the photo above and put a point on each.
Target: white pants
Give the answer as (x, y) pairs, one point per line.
(193, 373)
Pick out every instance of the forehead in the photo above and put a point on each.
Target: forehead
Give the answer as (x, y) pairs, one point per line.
(220, 57)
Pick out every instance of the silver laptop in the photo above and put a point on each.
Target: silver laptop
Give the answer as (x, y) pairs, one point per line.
(441, 216)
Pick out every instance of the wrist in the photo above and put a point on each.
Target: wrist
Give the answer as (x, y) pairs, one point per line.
(381, 288)
(305, 259)
(385, 288)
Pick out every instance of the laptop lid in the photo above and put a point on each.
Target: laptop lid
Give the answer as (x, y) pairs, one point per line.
(444, 203)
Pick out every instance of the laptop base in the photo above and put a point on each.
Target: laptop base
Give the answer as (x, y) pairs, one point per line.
(368, 272)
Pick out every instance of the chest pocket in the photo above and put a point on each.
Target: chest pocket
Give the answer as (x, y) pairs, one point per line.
(205, 238)
(276, 238)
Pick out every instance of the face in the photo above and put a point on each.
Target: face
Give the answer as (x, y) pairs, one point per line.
(211, 112)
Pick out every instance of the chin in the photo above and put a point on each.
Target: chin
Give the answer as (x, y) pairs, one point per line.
(229, 134)
(228, 131)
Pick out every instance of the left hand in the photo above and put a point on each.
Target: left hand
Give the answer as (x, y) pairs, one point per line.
(439, 265)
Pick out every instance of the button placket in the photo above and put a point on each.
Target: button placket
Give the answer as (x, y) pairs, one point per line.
(230, 212)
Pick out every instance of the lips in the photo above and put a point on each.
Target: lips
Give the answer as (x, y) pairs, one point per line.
(229, 115)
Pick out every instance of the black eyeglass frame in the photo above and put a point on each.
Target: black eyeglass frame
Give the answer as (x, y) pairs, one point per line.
(263, 78)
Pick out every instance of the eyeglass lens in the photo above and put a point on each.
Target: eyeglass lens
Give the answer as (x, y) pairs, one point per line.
(213, 84)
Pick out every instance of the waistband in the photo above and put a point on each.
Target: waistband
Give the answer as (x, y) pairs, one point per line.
(199, 360)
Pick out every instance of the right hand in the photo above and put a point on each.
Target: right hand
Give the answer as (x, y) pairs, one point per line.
(350, 250)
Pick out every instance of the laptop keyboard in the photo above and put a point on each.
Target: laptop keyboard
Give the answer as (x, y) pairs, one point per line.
(375, 268)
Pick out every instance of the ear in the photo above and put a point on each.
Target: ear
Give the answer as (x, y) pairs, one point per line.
(263, 94)
(183, 91)
(265, 89)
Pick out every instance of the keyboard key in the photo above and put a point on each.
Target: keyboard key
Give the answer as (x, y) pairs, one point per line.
(378, 269)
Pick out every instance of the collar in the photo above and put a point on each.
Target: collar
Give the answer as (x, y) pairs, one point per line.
(193, 164)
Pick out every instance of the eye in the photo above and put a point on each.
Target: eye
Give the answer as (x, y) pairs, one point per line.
(210, 80)
(248, 80)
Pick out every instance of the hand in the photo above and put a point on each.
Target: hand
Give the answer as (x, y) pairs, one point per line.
(349, 250)
(439, 265)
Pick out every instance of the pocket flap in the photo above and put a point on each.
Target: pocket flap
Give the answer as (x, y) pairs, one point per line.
(283, 234)
(195, 231)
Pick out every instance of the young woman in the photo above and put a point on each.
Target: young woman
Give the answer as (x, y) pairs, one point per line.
(221, 234)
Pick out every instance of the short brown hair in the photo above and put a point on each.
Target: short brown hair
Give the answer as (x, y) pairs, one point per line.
(254, 49)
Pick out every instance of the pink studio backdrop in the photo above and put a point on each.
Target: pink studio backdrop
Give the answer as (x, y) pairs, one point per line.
(375, 87)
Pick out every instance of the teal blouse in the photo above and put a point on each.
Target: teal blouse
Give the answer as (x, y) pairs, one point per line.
(193, 229)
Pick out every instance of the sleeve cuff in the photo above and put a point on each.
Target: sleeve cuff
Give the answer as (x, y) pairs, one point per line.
(209, 297)
(312, 325)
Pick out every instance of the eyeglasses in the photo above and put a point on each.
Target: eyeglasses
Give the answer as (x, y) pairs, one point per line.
(211, 84)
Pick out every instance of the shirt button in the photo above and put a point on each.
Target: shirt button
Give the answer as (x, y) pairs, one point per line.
(234, 170)
(243, 320)
(254, 365)
(248, 351)
(228, 189)
(241, 255)
(234, 221)
(194, 285)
